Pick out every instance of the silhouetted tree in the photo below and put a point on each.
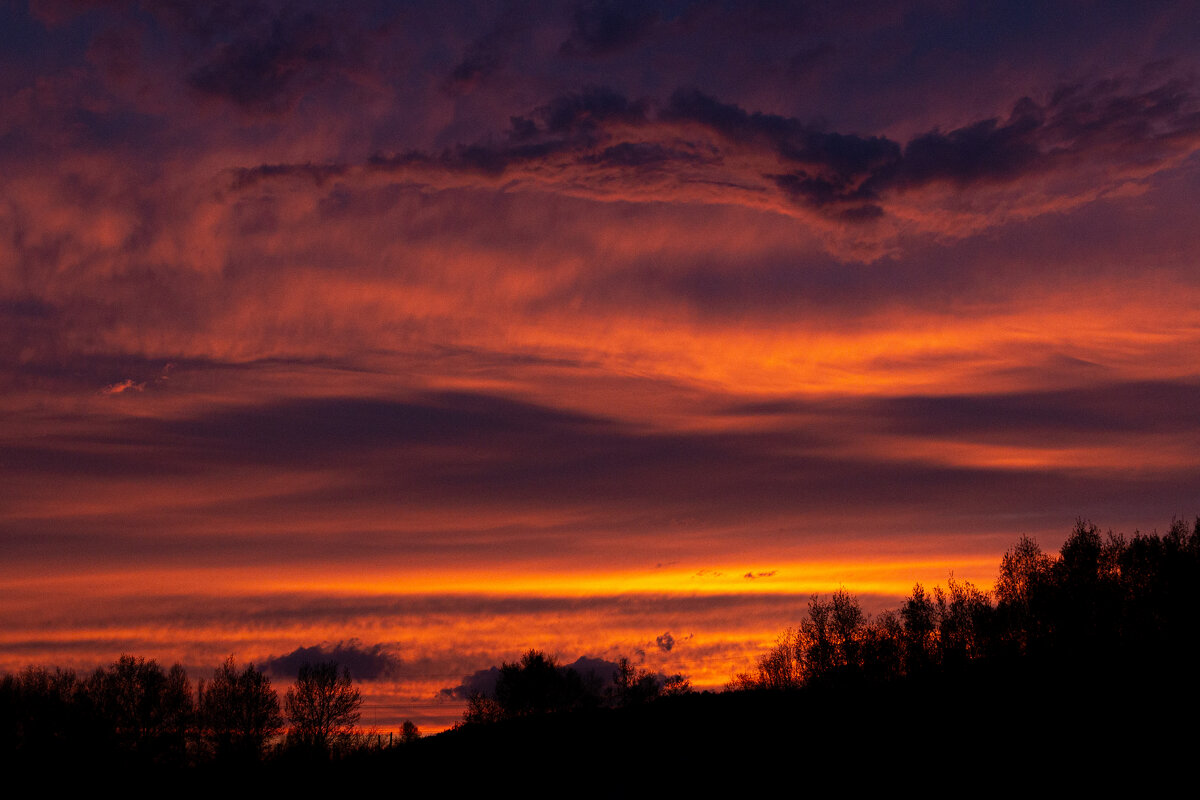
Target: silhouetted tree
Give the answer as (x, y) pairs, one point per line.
(481, 709)
(961, 614)
(675, 685)
(535, 685)
(1025, 575)
(830, 637)
(238, 711)
(633, 685)
(882, 648)
(150, 711)
(322, 707)
(409, 732)
(1023, 569)
(780, 667)
(919, 616)
(44, 713)
(1128, 602)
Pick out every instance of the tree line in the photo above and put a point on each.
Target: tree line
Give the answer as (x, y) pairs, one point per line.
(1128, 605)
(1102, 600)
(135, 711)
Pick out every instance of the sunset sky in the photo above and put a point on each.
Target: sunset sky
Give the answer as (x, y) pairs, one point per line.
(425, 333)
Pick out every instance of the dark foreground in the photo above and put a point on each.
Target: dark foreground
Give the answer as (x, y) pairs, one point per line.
(1082, 676)
(998, 728)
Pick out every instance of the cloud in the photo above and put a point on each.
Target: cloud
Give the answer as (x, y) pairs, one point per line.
(524, 477)
(268, 67)
(606, 27)
(1139, 407)
(480, 682)
(364, 663)
(809, 60)
(665, 642)
(597, 670)
(479, 61)
(486, 55)
(1082, 142)
(335, 427)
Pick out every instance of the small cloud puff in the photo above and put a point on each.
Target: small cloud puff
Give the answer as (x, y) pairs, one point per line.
(364, 663)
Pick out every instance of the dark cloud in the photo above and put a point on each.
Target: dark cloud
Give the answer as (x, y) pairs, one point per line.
(756, 575)
(987, 149)
(364, 663)
(605, 27)
(30, 308)
(494, 453)
(301, 609)
(487, 54)
(317, 173)
(848, 176)
(846, 154)
(480, 60)
(1107, 120)
(598, 671)
(641, 155)
(584, 114)
(1146, 407)
(570, 126)
(1140, 407)
(809, 60)
(208, 21)
(480, 682)
(850, 169)
(269, 65)
(665, 642)
(308, 429)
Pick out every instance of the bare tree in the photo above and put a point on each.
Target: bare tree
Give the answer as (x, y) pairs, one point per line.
(323, 706)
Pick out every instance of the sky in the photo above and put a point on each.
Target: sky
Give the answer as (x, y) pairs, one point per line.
(420, 334)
